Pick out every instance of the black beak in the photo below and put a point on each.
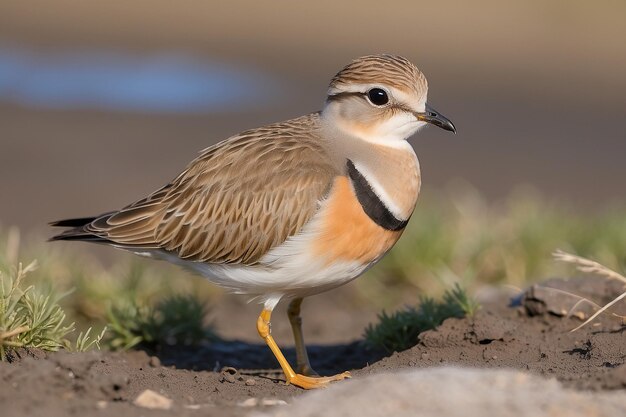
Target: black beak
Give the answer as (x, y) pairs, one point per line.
(433, 117)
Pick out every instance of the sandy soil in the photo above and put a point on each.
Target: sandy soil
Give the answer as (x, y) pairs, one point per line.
(529, 334)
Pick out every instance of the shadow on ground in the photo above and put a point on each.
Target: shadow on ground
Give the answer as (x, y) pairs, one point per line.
(257, 359)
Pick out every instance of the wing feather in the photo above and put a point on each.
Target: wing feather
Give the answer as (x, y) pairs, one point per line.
(235, 202)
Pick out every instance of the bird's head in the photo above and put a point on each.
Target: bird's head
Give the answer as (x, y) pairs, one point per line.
(382, 99)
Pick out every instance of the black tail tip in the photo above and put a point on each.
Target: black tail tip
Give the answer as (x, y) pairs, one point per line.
(72, 222)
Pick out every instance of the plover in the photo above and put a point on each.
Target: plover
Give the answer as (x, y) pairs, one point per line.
(290, 209)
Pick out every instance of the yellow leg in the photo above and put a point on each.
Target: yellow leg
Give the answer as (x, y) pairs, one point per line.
(303, 366)
(299, 380)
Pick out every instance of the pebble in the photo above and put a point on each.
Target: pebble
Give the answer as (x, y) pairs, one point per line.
(155, 362)
(229, 374)
(268, 402)
(152, 400)
(228, 378)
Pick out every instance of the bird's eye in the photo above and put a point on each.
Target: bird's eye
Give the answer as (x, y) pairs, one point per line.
(378, 96)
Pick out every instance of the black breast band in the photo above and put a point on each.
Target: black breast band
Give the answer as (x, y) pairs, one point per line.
(371, 203)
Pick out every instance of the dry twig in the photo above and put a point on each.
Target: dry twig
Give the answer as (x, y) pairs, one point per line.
(589, 266)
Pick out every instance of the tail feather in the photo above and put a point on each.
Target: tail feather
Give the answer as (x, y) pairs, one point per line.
(77, 230)
(73, 222)
(77, 235)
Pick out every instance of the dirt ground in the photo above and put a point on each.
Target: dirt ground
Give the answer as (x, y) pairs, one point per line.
(530, 333)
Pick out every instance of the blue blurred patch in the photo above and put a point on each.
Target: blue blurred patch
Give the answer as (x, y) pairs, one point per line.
(113, 80)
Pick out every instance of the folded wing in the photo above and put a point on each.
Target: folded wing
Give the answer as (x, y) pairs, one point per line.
(232, 204)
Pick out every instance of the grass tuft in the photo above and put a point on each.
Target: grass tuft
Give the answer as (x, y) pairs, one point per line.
(398, 331)
(85, 341)
(175, 320)
(32, 318)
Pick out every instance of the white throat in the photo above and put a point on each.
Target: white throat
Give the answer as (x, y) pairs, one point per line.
(392, 132)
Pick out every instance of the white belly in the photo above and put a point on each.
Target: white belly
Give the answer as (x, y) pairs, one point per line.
(287, 271)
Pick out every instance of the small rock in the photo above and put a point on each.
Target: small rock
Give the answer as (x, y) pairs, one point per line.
(229, 374)
(155, 362)
(250, 402)
(250, 382)
(563, 297)
(272, 402)
(152, 400)
(268, 402)
(228, 378)
(101, 405)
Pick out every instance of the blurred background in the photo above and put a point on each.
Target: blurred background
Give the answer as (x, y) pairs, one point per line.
(103, 102)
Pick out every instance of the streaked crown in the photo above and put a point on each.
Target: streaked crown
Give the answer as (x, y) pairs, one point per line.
(391, 70)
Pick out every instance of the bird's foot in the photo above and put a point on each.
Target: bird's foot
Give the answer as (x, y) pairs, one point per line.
(311, 382)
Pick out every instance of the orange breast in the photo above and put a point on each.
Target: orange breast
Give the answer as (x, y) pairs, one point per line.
(346, 233)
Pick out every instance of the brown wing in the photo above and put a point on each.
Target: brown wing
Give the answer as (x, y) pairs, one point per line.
(235, 202)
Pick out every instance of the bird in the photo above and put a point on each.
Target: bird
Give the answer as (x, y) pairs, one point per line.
(294, 208)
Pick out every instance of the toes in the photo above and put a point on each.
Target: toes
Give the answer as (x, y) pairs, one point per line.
(308, 382)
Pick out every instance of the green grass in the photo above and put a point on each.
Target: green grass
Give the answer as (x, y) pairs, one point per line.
(398, 331)
(175, 320)
(32, 318)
